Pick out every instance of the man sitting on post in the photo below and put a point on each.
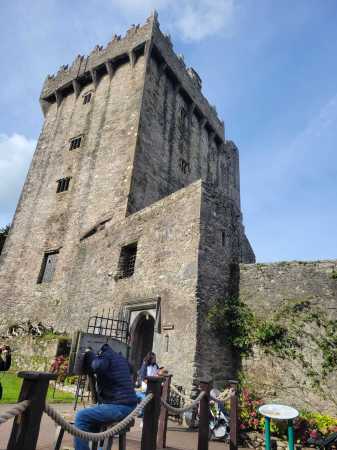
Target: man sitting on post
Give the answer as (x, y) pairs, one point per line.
(115, 393)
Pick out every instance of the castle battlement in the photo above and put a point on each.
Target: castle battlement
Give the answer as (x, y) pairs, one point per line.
(137, 41)
(117, 49)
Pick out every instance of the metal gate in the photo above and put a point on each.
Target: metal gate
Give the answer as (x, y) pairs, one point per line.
(111, 324)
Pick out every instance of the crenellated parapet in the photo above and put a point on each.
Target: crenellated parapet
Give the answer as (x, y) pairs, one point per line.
(188, 80)
(83, 67)
(138, 40)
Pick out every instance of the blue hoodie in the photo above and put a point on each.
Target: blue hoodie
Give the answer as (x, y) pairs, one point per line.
(114, 381)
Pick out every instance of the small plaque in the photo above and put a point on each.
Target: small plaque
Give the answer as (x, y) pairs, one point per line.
(168, 326)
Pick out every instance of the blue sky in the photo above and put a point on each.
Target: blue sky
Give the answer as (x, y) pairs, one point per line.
(270, 68)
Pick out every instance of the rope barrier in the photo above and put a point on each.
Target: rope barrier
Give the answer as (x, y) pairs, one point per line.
(221, 400)
(18, 409)
(174, 389)
(95, 437)
(185, 408)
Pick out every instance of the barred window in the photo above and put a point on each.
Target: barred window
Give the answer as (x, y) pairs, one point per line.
(127, 260)
(75, 142)
(87, 98)
(63, 184)
(184, 166)
(48, 267)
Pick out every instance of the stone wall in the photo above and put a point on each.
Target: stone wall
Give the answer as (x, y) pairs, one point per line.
(302, 296)
(166, 267)
(32, 352)
(100, 172)
(176, 146)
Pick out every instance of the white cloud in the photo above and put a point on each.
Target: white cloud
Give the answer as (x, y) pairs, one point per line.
(15, 155)
(193, 19)
(200, 19)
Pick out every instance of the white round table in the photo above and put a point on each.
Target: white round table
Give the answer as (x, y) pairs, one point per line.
(278, 412)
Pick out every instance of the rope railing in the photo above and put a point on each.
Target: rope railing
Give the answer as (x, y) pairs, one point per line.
(96, 437)
(18, 409)
(224, 398)
(221, 399)
(192, 405)
(176, 391)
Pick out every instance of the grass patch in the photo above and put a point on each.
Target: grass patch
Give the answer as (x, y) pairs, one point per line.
(11, 384)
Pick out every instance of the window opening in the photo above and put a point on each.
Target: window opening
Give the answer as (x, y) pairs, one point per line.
(223, 238)
(48, 267)
(184, 166)
(127, 260)
(75, 143)
(87, 98)
(183, 119)
(63, 184)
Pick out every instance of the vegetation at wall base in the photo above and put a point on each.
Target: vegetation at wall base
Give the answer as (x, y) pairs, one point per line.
(297, 324)
(307, 425)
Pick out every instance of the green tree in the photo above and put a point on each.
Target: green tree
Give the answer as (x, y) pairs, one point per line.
(5, 230)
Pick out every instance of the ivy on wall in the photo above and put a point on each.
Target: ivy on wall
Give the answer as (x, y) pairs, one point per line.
(297, 330)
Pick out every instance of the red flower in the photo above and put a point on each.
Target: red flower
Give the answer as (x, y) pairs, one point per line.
(314, 434)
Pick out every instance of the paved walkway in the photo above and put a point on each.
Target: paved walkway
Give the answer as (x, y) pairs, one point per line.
(178, 438)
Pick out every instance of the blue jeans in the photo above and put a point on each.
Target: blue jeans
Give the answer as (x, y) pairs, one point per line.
(91, 419)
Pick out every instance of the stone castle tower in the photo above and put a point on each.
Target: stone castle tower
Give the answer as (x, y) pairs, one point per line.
(132, 201)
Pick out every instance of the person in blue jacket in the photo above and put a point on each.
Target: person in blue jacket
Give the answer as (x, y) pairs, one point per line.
(115, 392)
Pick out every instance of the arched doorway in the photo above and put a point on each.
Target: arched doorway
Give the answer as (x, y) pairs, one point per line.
(142, 332)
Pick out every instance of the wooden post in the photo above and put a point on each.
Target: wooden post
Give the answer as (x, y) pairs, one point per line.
(151, 414)
(163, 417)
(234, 417)
(204, 417)
(26, 427)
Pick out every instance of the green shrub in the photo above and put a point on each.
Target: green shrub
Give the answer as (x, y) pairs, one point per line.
(231, 320)
(308, 424)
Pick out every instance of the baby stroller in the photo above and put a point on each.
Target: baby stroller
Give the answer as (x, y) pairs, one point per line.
(218, 419)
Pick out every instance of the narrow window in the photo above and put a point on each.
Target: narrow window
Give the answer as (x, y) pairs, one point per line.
(87, 98)
(223, 238)
(63, 184)
(75, 142)
(183, 119)
(48, 267)
(184, 166)
(127, 260)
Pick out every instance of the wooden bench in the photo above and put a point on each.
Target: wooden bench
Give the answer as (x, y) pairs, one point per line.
(107, 444)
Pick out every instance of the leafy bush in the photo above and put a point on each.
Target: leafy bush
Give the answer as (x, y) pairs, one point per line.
(250, 418)
(275, 338)
(307, 425)
(232, 321)
(324, 424)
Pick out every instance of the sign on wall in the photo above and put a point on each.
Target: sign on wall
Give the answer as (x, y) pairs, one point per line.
(81, 341)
